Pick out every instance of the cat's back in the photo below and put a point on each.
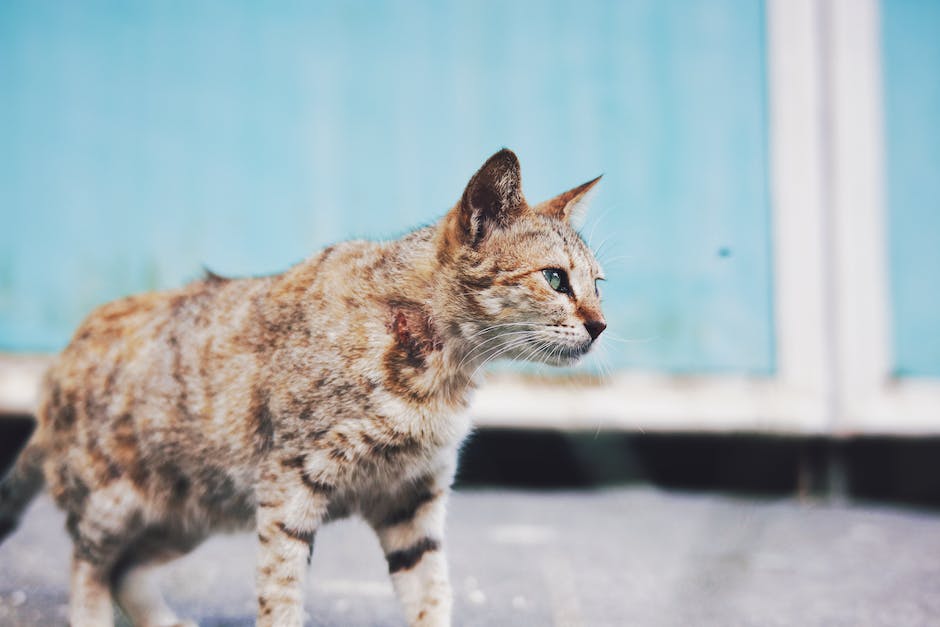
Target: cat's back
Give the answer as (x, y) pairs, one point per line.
(124, 330)
(138, 357)
(176, 351)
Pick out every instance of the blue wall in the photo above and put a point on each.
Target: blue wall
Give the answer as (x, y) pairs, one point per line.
(143, 140)
(911, 42)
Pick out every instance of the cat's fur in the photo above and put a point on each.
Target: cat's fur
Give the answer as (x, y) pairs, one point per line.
(338, 387)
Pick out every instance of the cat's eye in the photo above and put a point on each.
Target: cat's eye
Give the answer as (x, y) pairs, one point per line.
(557, 280)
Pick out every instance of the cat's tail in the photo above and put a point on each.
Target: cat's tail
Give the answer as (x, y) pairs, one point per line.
(20, 486)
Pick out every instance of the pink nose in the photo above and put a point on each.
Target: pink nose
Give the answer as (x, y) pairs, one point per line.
(595, 328)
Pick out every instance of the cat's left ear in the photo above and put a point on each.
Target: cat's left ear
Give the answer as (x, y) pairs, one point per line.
(492, 199)
(568, 205)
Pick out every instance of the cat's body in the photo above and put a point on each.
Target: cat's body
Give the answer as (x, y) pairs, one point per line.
(339, 387)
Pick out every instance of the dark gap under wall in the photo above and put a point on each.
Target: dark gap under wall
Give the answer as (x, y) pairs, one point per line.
(14, 431)
(886, 469)
(894, 470)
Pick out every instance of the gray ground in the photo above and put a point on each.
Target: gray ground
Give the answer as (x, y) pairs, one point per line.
(617, 557)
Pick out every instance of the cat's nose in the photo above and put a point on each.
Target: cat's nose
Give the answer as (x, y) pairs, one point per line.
(595, 328)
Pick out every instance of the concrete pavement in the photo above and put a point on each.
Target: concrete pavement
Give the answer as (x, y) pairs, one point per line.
(626, 556)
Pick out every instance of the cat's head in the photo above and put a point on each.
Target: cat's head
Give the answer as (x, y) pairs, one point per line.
(523, 284)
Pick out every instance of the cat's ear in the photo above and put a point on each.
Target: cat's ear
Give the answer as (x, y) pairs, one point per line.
(493, 198)
(568, 205)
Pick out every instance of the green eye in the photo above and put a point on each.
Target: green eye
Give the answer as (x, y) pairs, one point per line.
(557, 279)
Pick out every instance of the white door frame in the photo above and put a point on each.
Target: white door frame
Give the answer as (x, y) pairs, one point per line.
(832, 305)
(797, 398)
(871, 399)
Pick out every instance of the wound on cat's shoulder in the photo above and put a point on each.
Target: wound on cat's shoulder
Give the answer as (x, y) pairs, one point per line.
(413, 331)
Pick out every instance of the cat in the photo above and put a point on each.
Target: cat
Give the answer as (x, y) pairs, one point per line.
(278, 403)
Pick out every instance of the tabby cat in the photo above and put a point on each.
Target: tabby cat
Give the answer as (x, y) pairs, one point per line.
(279, 403)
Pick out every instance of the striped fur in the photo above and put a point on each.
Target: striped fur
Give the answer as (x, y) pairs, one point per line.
(338, 387)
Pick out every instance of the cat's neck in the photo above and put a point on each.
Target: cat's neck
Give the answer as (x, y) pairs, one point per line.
(405, 285)
(428, 353)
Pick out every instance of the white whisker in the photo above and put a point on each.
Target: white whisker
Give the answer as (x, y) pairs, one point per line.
(477, 348)
(624, 340)
(492, 353)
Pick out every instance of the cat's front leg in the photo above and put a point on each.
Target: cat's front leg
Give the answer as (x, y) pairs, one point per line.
(290, 508)
(412, 536)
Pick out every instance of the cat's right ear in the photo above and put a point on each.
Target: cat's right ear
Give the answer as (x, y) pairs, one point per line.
(493, 199)
(568, 206)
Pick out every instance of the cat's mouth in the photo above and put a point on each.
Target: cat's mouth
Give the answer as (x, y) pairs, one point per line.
(565, 354)
(535, 348)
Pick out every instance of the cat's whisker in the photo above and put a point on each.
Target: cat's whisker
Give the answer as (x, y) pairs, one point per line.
(603, 363)
(473, 375)
(499, 352)
(625, 340)
(614, 261)
(599, 250)
(605, 377)
(527, 354)
(504, 333)
(546, 350)
(554, 353)
(598, 220)
(479, 346)
(539, 352)
(502, 325)
(501, 335)
(532, 328)
(600, 247)
(499, 349)
(537, 348)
